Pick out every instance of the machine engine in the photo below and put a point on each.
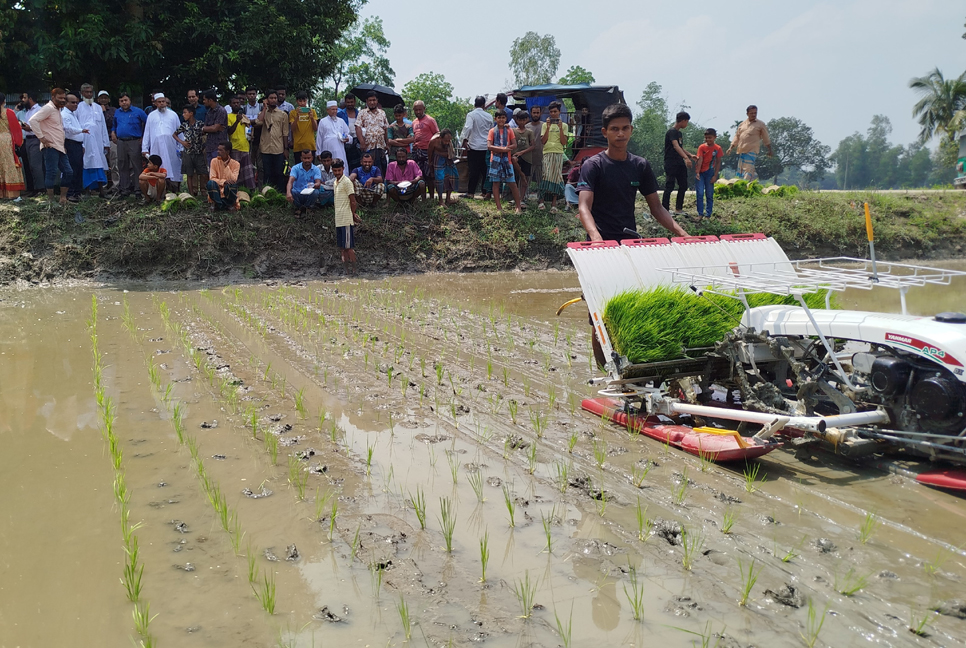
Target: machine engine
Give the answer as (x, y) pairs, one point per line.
(907, 366)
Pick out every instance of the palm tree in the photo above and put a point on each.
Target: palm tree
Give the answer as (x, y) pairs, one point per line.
(942, 106)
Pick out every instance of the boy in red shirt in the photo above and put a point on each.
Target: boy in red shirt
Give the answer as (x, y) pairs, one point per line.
(706, 171)
(149, 180)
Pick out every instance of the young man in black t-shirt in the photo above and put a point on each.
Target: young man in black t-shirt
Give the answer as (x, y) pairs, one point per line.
(609, 183)
(677, 161)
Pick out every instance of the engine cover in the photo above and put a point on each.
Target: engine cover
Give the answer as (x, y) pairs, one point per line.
(937, 398)
(942, 342)
(890, 374)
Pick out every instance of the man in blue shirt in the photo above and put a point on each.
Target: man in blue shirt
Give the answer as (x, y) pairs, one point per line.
(126, 131)
(200, 110)
(304, 177)
(367, 181)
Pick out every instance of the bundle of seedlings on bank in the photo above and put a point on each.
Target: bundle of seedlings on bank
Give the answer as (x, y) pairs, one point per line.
(661, 323)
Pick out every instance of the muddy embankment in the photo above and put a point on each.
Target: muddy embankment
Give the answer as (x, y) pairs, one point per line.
(408, 457)
(115, 240)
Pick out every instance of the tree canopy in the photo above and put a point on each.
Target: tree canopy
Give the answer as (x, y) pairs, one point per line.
(170, 44)
(653, 122)
(437, 93)
(794, 145)
(359, 56)
(576, 74)
(534, 59)
(941, 108)
(870, 160)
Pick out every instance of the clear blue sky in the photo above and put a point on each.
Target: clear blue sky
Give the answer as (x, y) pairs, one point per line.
(831, 64)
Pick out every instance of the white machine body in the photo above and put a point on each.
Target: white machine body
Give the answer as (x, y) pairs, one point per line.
(941, 342)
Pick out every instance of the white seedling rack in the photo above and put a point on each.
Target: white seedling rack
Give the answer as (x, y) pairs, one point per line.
(606, 269)
(833, 274)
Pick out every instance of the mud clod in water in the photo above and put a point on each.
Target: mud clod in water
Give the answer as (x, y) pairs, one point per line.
(264, 492)
(325, 614)
(292, 553)
(889, 575)
(270, 555)
(681, 606)
(788, 595)
(495, 482)
(179, 526)
(205, 425)
(595, 548)
(188, 567)
(669, 530)
(953, 608)
(825, 545)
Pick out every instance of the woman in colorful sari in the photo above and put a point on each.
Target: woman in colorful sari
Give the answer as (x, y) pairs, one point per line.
(11, 173)
(554, 135)
(443, 158)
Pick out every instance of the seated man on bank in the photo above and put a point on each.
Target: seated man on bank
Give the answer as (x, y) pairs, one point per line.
(367, 181)
(223, 180)
(327, 190)
(403, 170)
(304, 182)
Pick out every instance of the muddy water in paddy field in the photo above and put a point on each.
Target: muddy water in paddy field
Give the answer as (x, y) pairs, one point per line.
(495, 340)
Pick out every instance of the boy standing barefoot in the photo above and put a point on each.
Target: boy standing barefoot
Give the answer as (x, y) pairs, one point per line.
(706, 170)
(345, 215)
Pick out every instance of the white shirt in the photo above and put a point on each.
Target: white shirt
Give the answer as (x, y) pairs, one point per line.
(33, 110)
(72, 127)
(477, 127)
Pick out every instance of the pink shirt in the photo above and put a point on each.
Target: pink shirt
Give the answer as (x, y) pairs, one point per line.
(423, 131)
(48, 123)
(395, 175)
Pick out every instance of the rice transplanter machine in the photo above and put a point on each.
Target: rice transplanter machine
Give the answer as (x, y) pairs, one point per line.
(858, 383)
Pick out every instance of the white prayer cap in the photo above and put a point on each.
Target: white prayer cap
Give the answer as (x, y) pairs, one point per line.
(103, 93)
(331, 104)
(160, 95)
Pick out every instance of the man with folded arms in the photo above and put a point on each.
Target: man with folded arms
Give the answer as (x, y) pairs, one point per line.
(223, 180)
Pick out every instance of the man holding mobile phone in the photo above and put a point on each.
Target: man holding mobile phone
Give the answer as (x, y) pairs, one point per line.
(303, 123)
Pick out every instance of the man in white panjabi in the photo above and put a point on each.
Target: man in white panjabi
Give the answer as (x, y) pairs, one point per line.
(97, 143)
(158, 140)
(333, 134)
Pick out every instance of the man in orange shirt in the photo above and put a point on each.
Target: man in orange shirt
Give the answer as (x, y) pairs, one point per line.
(223, 178)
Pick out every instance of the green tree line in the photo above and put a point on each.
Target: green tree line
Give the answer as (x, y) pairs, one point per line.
(138, 46)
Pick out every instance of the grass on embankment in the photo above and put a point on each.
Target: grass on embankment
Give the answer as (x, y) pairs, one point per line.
(123, 239)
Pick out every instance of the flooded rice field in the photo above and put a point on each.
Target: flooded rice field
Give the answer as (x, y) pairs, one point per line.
(404, 461)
